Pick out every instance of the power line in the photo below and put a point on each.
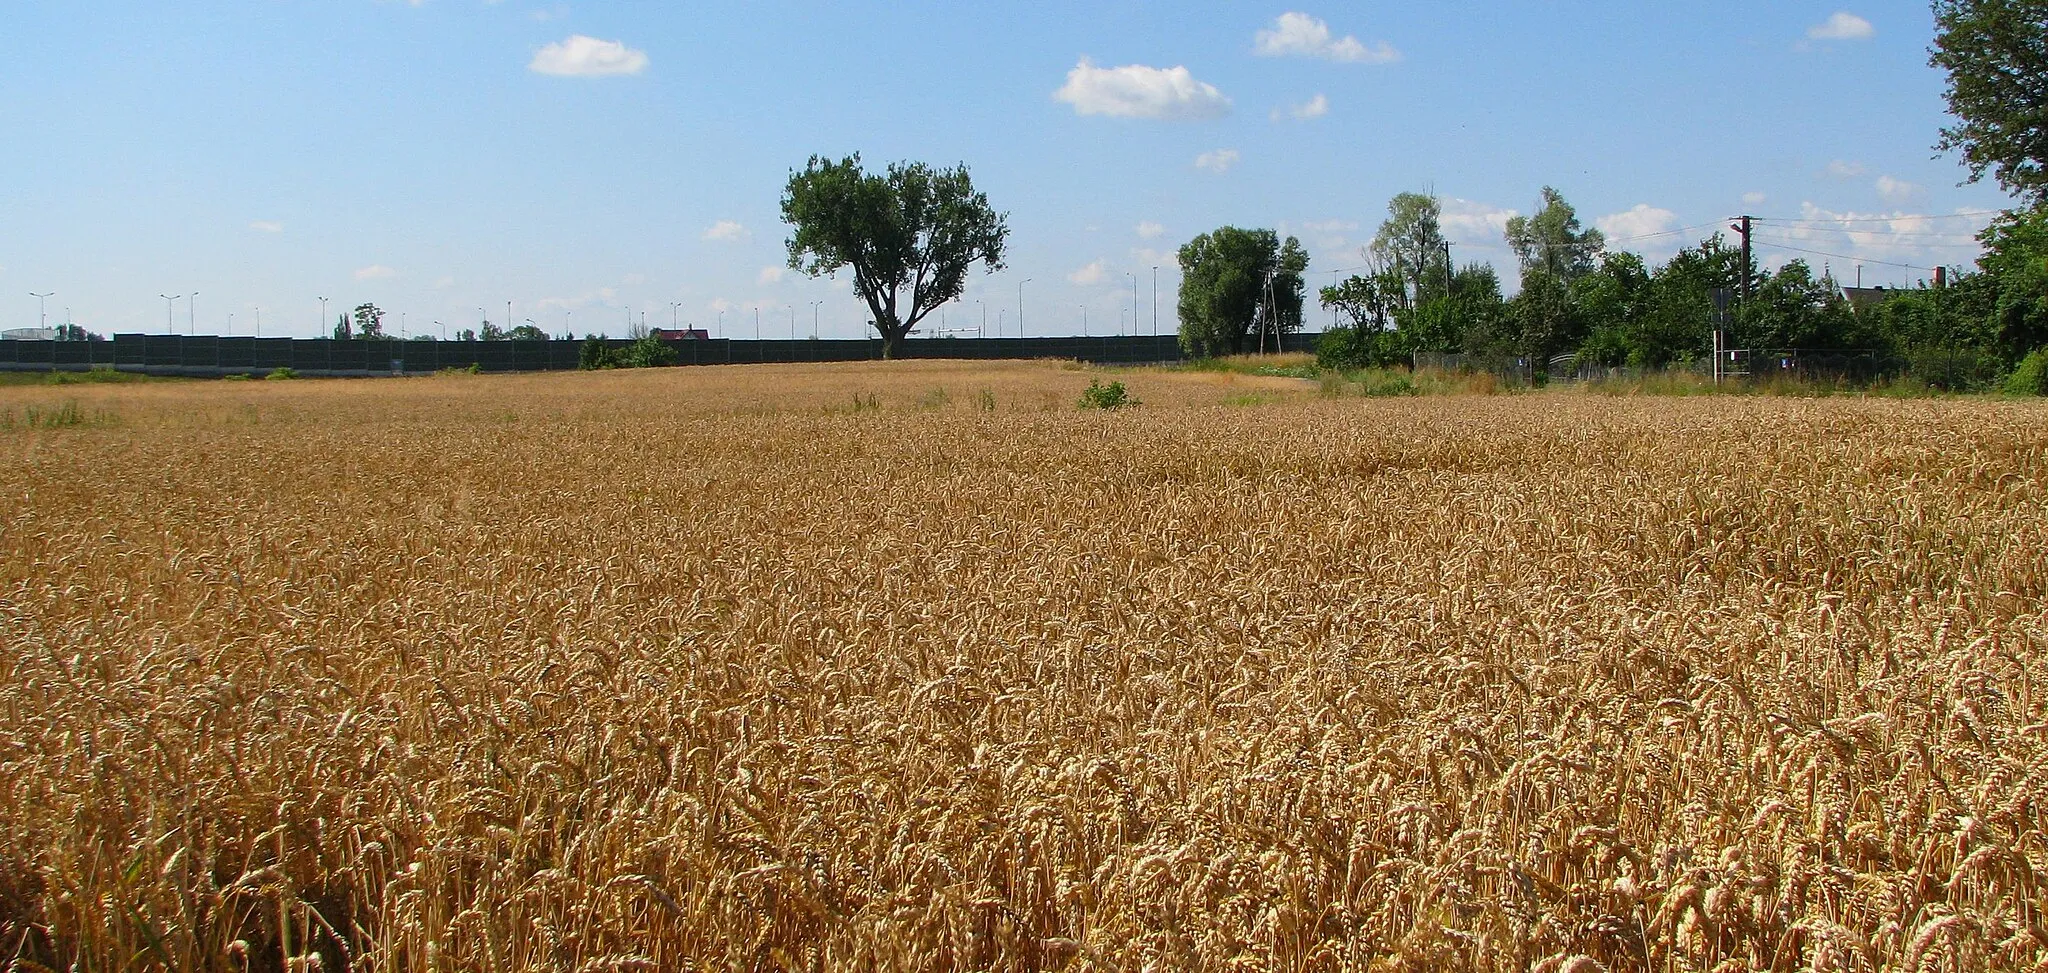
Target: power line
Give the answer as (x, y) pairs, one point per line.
(1877, 219)
(1842, 256)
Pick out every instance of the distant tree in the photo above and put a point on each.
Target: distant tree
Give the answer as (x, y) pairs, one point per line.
(1233, 280)
(1411, 246)
(1367, 301)
(492, 332)
(73, 332)
(526, 332)
(343, 330)
(369, 321)
(2015, 259)
(909, 227)
(466, 334)
(1551, 240)
(1996, 56)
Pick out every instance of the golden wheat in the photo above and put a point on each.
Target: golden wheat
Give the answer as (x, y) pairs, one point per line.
(917, 666)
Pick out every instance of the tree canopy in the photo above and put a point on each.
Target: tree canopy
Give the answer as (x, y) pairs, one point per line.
(1996, 56)
(1551, 241)
(1235, 280)
(910, 227)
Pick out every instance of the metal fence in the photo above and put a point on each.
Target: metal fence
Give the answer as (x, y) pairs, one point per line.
(1512, 369)
(204, 355)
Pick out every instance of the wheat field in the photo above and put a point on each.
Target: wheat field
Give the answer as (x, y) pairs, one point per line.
(917, 666)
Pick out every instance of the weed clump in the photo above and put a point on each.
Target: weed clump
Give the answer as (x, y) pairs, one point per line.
(1110, 396)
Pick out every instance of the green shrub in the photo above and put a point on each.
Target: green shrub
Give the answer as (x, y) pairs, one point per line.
(281, 375)
(1111, 396)
(1350, 349)
(2030, 377)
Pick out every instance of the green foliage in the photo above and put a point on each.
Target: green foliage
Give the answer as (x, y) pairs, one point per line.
(1996, 56)
(73, 332)
(910, 227)
(527, 332)
(281, 375)
(492, 332)
(2030, 377)
(369, 322)
(1551, 240)
(1411, 249)
(986, 400)
(595, 354)
(473, 368)
(344, 329)
(1111, 396)
(1350, 349)
(1225, 292)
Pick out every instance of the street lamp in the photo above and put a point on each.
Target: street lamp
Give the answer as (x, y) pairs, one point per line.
(757, 322)
(259, 321)
(191, 312)
(721, 322)
(1020, 306)
(1155, 302)
(171, 328)
(984, 319)
(675, 315)
(814, 319)
(1134, 305)
(42, 315)
(323, 317)
(791, 308)
(1084, 320)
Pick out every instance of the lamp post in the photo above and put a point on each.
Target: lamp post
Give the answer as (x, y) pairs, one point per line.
(1084, 320)
(1020, 306)
(42, 313)
(791, 308)
(721, 322)
(323, 317)
(1134, 305)
(259, 322)
(675, 315)
(757, 322)
(984, 319)
(814, 319)
(483, 318)
(171, 328)
(1155, 302)
(191, 312)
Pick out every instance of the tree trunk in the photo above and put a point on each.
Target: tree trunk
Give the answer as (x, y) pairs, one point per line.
(892, 345)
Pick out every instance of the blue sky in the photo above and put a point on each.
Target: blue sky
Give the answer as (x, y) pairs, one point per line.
(590, 162)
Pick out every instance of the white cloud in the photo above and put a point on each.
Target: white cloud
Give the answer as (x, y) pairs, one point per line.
(444, 283)
(587, 57)
(375, 272)
(1149, 230)
(725, 230)
(1844, 237)
(1217, 161)
(770, 274)
(1137, 91)
(1842, 26)
(1300, 35)
(1897, 191)
(1643, 220)
(1753, 198)
(267, 226)
(719, 306)
(1326, 235)
(1315, 107)
(1844, 170)
(1470, 223)
(1094, 273)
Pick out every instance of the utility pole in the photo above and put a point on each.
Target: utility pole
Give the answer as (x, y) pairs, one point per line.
(1155, 300)
(170, 327)
(191, 312)
(814, 319)
(1134, 305)
(1020, 306)
(1742, 229)
(42, 314)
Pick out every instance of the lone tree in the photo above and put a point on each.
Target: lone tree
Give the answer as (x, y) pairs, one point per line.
(1233, 281)
(912, 227)
(1996, 55)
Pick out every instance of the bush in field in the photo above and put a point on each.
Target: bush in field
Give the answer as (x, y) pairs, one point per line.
(1111, 396)
(1350, 349)
(2031, 377)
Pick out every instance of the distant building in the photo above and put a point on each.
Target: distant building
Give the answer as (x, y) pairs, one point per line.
(29, 334)
(681, 334)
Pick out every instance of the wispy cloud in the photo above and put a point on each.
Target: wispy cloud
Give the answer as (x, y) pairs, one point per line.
(1897, 191)
(1841, 26)
(587, 57)
(725, 230)
(375, 272)
(1149, 230)
(267, 226)
(1138, 91)
(1839, 169)
(1297, 34)
(1094, 273)
(1753, 198)
(1315, 107)
(770, 274)
(1218, 161)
